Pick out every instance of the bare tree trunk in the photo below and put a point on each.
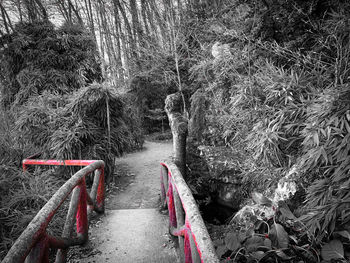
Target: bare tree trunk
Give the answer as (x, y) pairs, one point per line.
(35, 10)
(160, 22)
(144, 17)
(42, 9)
(91, 17)
(180, 11)
(131, 49)
(76, 12)
(118, 38)
(137, 32)
(104, 34)
(19, 7)
(5, 18)
(64, 11)
(101, 38)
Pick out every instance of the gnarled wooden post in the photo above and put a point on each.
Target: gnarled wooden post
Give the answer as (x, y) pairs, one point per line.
(196, 124)
(178, 125)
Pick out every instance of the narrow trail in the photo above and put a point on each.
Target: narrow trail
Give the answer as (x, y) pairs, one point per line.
(132, 229)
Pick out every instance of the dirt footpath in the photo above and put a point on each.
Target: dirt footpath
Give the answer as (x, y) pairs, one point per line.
(143, 169)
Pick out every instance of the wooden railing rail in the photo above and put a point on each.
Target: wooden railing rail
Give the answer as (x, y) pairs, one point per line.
(34, 243)
(185, 220)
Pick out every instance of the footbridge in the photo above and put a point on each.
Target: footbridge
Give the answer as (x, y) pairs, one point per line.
(128, 233)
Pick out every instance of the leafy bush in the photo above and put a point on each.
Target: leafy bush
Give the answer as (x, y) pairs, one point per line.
(39, 58)
(280, 98)
(266, 231)
(51, 105)
(22, 194)
(94, 125)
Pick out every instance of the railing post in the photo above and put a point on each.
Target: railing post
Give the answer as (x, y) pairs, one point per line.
(194, 250)
(100, 200)
(187, 247)
(171, 205)
(98, 207)
(81, 217)
(68, 226)
(196, 243)
(95, 183)
(33, 244)
(163, 186)
(180, 220)
(39, 253)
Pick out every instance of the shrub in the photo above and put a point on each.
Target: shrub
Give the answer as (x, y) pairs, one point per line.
(281, 99)
(22, 194)
(39, 58)
(94, 125)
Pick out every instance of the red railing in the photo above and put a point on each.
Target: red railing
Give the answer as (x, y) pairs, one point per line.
(34, 243)
(185, 220)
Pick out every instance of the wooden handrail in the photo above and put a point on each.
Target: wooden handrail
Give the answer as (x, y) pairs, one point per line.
(34, 243)
(185, 220)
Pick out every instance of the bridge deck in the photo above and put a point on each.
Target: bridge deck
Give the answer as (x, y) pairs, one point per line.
(133, 230)
(141, 235)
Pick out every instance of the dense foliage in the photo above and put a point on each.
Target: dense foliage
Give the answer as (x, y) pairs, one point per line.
(273, 81)
(53, 103)
(38, 58)
(276, 78)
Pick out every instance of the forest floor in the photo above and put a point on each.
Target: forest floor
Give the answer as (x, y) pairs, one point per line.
(132, 229)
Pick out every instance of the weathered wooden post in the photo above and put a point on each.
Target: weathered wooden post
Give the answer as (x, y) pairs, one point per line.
(196, 124)
(178, 125)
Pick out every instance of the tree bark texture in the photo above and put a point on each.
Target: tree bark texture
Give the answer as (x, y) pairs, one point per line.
(196, 123)
(178, 125)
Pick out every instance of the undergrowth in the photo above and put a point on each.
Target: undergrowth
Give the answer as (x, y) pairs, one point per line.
(281, 99)
(54, 103)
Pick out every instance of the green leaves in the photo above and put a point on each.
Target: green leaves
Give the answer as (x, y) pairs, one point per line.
(260, 199)
(333, 250)
(279, 236)
(345, 234)
(232, 241)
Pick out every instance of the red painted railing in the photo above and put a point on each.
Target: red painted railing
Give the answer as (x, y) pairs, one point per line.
(34, 243)
(185, 219)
